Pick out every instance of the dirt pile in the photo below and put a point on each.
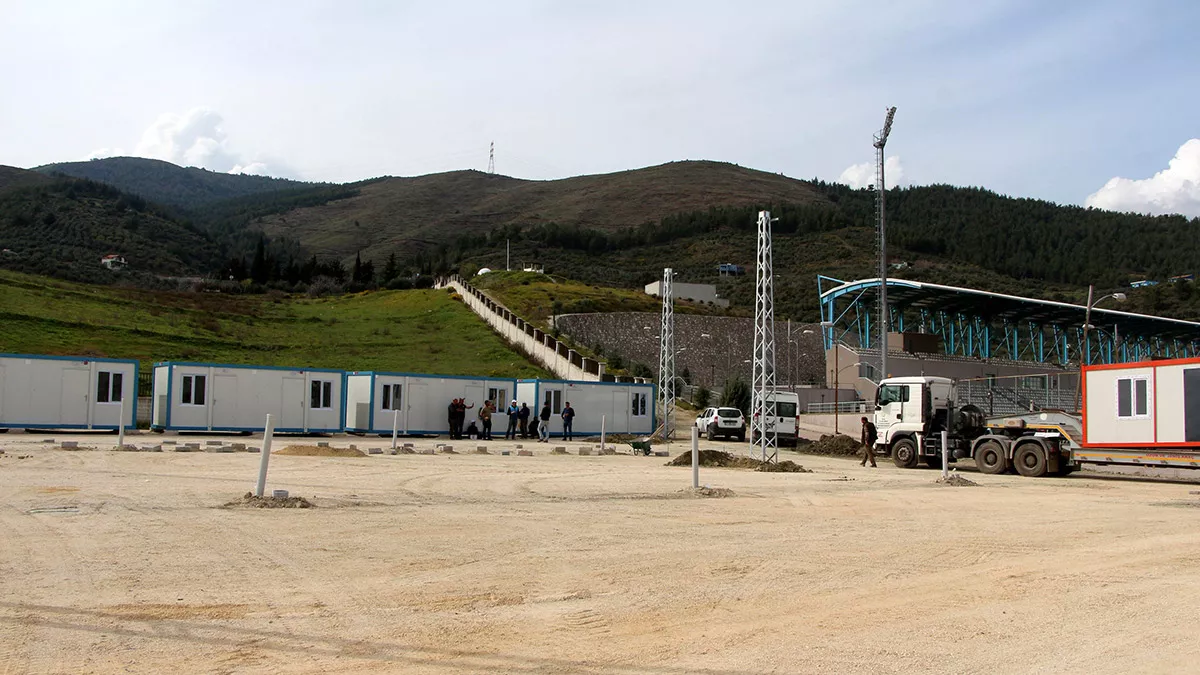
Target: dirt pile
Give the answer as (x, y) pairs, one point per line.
(956, 481)
(707, 492)
(318, 451)
(718, 458)
(839, 445)
(249, 501)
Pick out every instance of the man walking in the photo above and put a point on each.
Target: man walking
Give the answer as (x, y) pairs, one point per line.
(544, 424)
(568, 416)
(513, 413)
(869, 436)
(523, 417)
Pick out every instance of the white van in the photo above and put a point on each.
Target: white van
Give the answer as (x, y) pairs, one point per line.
(787, 409)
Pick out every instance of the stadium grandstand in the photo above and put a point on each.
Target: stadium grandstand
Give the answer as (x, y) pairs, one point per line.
(1008, 353)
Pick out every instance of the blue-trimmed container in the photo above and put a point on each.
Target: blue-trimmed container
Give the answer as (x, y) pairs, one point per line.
(417, 403)
(627, 407)
(67, 392)
(223, 397)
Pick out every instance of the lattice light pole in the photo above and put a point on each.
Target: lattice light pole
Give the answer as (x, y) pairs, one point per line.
(762, 392)
(666, 357)
(884, 317)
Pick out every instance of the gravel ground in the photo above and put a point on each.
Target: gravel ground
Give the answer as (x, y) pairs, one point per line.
(606, 565)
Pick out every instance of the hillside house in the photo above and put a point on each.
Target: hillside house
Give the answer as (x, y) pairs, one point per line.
(113, 261)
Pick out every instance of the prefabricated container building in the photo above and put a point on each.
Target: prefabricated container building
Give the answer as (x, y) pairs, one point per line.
(417, 404)
(220, 397)
(67, 392)
(627, 408)
(1145, 404)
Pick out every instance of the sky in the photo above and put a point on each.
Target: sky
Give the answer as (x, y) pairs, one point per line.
(1085, 102)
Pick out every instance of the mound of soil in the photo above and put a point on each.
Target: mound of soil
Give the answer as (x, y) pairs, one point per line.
(829, 444)
(249, 501)
(707, 492)
(318, 451)
(719, 458)
(956, 481)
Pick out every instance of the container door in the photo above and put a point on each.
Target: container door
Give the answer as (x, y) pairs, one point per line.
(75, 398)
(293, 397)
(1191, 405)
(225, 403)
(475, 396)
(417, 417)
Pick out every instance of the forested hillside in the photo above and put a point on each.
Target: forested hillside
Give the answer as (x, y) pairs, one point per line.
(167, 184)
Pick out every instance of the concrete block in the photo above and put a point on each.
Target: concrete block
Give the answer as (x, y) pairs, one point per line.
(169, 442)
(525, 453)
(373, 451)
(584, 447)
(584, 452)
(481, 450)
(47, 440)
(214, 442)
(238, 446)
(447, 448)
(70, 445)
(559, 450)
(519, 446)
(506, 453)
(393, 451)
(353, 446)
(609, 451)
(322, 444)
(427, 451)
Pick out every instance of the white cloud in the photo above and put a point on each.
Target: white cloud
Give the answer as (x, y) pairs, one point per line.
(861, 175)
(194, 138)
(1175, 189)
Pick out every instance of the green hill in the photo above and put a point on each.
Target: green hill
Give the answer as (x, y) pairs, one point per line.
(417, 331)
(168, 184)
(63, 226)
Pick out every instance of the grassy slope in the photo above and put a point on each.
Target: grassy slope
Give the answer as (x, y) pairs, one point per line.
(418, 331)
(399, 213)
(532, 296)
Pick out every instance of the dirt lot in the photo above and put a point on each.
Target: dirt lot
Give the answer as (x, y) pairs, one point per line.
(126, 562)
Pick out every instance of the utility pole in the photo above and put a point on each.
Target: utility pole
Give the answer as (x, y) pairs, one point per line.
(884, 318)
(492, 157)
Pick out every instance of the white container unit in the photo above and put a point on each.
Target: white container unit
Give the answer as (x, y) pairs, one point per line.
(628, 408)
(216, 397)
(417, 403)
(1146, 404)
(66, 392)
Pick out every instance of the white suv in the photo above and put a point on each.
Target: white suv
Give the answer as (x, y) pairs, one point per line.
(726, 422)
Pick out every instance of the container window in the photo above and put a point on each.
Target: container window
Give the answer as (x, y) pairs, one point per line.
(322, 395)
(1133, 397)
(193, 389)
(392, 396)
(639, 404)
(102, 385)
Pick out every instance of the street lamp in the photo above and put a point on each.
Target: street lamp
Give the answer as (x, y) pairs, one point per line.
(1085, 354)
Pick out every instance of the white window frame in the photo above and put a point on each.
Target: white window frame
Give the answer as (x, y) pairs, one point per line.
(1133, 398)
(393, 396)
(638, 402)
(497, 395)
(190, 389)
(325, 395)
(113, 376)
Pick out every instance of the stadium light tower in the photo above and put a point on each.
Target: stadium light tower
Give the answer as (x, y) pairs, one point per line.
(762, 393)
(666, 356)
(884, 318)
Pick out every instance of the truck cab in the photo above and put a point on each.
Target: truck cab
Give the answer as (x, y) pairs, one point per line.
(907, 410)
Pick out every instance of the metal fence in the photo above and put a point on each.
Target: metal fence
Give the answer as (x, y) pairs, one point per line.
(842, 407)
(1020, 394)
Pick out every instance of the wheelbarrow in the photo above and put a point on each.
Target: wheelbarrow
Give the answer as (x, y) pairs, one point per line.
(640, 447)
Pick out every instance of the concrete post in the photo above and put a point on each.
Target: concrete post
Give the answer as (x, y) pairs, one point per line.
(395, 426)
(945, 454)
(266, 456)
(695, 456)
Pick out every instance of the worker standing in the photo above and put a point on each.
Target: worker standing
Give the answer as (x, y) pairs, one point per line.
(568, 416)
(451, 416)
(523, 417)
(544, 424)
(513, 415)
(485, 421)
(869, 436)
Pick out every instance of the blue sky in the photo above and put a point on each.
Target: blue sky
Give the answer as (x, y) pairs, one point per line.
(1039, 99)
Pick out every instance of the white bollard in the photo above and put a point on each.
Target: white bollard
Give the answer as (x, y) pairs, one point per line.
(945, 454)
(395, 427)
(695, 456)
(603, 419)
(121, 425)
(266, 456)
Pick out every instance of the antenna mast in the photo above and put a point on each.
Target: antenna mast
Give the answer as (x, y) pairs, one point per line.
(492, 157)
(884, 315)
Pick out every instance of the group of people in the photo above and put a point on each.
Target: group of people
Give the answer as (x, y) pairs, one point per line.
(521, 422)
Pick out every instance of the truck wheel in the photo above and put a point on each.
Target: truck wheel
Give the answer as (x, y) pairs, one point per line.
(904, 453)
(1030, 460)
(990, 458)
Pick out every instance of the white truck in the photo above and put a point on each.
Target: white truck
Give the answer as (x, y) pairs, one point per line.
(784, 423)
(1140, 414)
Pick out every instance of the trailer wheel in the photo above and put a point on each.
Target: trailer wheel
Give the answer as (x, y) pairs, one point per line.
(990, 458)
(904, 453)
(1030, 460)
